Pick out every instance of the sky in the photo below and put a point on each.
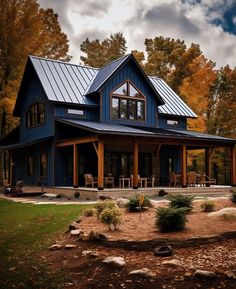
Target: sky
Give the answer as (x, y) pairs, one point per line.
(210, 23)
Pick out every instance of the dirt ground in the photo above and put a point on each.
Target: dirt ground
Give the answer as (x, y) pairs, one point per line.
(89, 272)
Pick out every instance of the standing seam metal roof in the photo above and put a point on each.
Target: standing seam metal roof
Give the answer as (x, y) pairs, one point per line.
(71, 83)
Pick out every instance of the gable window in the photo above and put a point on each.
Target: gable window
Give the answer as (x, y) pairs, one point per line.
(128, 103)
(35, 114)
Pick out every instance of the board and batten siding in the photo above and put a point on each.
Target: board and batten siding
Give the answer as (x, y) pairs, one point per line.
(34, 93)
(76, 112)
(162, 122)
(129, 72)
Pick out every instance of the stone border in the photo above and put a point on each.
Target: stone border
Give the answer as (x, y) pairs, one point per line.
(149, 245)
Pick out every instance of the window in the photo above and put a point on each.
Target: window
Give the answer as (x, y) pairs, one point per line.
(35, 114)
(127, 103)
(30, 165)
(172, 123)
(43, 164)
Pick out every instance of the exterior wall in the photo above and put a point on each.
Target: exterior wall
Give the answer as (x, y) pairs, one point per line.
(33, 93)
(129, 72)
(83, 113)
(19, 159)
(162, 122)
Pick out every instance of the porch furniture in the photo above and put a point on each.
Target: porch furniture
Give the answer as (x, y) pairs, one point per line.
(90, 180)
(122, 182)
(109, 181)
(174, 179)
(206, 181)
(191, 179)
(132, 180)
(15, 188)
(151, 181)
(143, 182)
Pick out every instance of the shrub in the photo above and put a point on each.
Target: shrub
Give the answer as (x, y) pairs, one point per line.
(101, 205)
(133, 204)
(170, 219)
(111, 217)
(162, 193)
(233, 196)
(208, 206)
(89, 212)
(181, 201)
(77, 194)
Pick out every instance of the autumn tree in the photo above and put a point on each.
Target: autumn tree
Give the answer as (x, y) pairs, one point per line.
(169, 59)
(25, 29)
(98, 53)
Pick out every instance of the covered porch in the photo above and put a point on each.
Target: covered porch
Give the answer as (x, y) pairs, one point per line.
(136, 157)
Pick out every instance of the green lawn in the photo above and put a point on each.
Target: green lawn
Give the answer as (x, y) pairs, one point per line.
(26, 230)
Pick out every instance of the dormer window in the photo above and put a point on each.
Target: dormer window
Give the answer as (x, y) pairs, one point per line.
(128, 103)
(35, 115)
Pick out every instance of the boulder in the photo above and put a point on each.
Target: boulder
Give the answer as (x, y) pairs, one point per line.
(70, 246)
(91, 254)
(145, 272)
(55, 247)
(115, 261)
(163, 251)
(172, 263)
(224, 214)
(204, 274)
(96, 236)
(121, 202)
(73, 226)
(230, 275)
(76, 232)
(50, 195)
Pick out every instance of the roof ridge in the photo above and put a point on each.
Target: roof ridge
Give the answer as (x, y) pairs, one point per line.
(118, 59)
(64, 62)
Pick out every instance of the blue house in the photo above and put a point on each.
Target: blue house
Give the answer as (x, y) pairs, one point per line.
(113, 121)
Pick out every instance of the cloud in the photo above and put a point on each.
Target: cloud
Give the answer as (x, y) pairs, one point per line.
(92, 8)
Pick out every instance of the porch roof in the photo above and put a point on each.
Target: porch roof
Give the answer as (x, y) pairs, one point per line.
(154, 132)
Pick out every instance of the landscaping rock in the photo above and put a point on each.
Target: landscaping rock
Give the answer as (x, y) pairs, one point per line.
(204, 274)
(89, 253)
(115, 261)
(121, 202)
(95, 236)
(230, 275)
(76, 232)
(70, 246)
(79, 220)
(172, 263)
(73, 226)
(55, 247)
(225, 214)
(145, 272)
(50, 195)
(154, 203)
(163, 251)
(83, 237)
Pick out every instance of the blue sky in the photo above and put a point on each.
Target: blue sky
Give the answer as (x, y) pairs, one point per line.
(210, 23)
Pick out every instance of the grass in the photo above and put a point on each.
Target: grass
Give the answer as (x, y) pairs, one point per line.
(25, 231)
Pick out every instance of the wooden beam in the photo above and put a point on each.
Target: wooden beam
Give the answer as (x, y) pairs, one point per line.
(233, 166)
(207, 162)
(135, 176)
(95, 147)
(100, 164)
(76, 141)
(184, 166)
(75, 166)
(158, 147)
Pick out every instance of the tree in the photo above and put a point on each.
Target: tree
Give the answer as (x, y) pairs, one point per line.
(169, 59)
(24, 29)
(100, 53)
(196, 90)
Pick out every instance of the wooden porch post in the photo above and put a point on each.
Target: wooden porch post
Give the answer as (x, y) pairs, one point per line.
(184, 166)
(135, 175)
(233, 166)
(75, 166)
(100, 164)
(207, 163)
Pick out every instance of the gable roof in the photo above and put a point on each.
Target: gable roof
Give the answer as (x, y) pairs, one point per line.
(70, 83)
(174, 105)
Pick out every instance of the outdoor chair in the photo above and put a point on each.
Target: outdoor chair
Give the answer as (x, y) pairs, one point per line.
(15, 188)
(109, 181)
(174, 180)
(206, 181)
(191, 179)
(90, 180)
(151, 181)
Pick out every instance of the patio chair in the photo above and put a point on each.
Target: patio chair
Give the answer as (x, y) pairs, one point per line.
(206, 181)
(173, 180)
(151, 181)
(90, 180)
(16, 188)
(191, 179)
(109, 181)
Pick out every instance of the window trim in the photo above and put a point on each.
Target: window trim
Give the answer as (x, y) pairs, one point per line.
(29, 115)
(128, 97)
